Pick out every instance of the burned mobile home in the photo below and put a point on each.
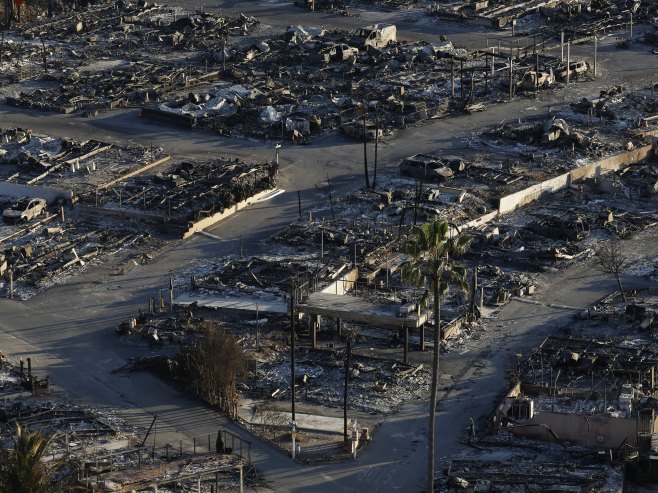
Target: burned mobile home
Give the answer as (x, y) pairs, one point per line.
(92, 448)
(299, 83)
(576, 21)
(565, 472)
(597, 393)
(86, 200)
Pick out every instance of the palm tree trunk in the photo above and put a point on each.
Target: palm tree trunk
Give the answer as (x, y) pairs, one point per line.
(435, 384)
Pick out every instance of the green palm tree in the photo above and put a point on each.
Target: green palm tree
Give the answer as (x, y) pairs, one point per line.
(431, 246)
(21, 468)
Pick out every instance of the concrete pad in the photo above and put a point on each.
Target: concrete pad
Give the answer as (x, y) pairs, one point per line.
(309, 422)
(242, 304)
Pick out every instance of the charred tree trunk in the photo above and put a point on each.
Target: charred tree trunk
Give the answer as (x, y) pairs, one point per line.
(621, 289)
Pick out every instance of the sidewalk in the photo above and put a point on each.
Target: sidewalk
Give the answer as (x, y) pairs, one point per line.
(306, 422)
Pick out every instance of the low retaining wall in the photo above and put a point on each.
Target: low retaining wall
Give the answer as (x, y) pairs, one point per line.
(215, 218)
(51, 195)
(518, 199)
(170, 225)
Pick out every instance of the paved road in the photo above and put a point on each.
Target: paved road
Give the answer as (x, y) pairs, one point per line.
(68, 330)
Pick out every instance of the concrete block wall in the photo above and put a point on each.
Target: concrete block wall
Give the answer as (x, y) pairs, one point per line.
(518, 199)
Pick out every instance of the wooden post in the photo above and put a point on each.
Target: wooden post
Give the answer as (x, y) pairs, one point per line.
(293, 293)
(11, 283)
(348, 352)
(314, 331)
(452, 78)
(406, 343)
(171, 294)
(422, 337)
(511, 79)
(461, 79)
(568, 61)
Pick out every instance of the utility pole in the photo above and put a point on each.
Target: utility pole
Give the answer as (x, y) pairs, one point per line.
(631, 33)
(374, 178)
(568, 61)
(331, 200)
(365, 145)
(461, 79)
(511, 79)
(293, 294)
(348, 354)
(596, 46)
(452, 78)
(537, 72)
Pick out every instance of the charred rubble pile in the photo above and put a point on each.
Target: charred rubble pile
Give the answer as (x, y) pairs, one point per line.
(310, 80)
(60, 48)
(190, 191)
(140, 27)
(16, 377)
(377, 386)
(265, 276)
(28, 156)
(129, 84)
(546, 235)
(553, 134)
(67, 422)
(576, 21)
(46, 255)
(592, 127)
(552, 472)
(72, 166)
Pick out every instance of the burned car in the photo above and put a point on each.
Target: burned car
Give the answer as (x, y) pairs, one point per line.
(24, 210)
(430, 168)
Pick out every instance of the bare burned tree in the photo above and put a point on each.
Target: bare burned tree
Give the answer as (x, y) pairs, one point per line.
(610, 259)
(213, 365)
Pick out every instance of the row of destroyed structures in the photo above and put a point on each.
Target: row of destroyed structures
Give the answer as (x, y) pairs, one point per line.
(303, 82)
(94, 449)
(114, 196)
(578, 19)
(116, 187)
(593, 394)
